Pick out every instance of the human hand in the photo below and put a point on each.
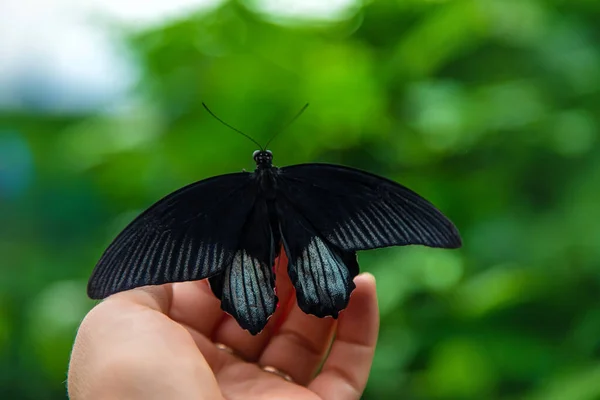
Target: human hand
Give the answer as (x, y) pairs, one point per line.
(158, 342)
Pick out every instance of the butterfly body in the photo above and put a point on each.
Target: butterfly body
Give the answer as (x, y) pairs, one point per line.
(231, 228)
(266, 176)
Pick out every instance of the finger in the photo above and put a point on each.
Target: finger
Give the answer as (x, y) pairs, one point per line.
(299, 346)
(194, 305)
(127, 347)
(284, 290)
(248, 346)
(157, 298)
(345, 373)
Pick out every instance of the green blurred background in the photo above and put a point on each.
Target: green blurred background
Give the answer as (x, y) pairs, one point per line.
(489, 108)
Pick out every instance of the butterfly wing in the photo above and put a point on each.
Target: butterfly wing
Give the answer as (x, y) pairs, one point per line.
(246, 288)
(328, 212)
(356, 210)
(190, 234)
(321, 273)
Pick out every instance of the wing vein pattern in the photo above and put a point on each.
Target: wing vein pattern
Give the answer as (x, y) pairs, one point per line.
(355, 210)
(159, 245)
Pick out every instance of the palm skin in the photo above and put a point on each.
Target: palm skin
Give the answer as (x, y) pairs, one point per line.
(159, 342)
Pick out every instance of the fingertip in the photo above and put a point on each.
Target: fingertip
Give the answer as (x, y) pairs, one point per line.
(365, 278)
(366, 286)
(360, 320)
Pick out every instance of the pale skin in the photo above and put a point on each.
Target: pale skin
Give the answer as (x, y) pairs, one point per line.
(158, 342)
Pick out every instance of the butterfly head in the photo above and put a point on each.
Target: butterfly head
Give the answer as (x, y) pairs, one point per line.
(263, 158)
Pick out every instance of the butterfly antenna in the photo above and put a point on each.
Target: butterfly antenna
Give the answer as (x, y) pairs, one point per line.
(288, 124)
(229, 126)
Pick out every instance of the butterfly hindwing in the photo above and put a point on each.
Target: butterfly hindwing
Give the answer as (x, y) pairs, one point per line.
(356, 210)
(321, 273)
(190, 234)
(247, 286)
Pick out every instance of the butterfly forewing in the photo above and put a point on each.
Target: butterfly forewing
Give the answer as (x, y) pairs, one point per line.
(355, 210)
(190, 234)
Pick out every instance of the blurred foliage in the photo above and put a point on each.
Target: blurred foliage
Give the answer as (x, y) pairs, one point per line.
(488, 108)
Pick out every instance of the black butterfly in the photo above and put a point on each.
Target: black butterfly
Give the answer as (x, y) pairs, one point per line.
(230, 228)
